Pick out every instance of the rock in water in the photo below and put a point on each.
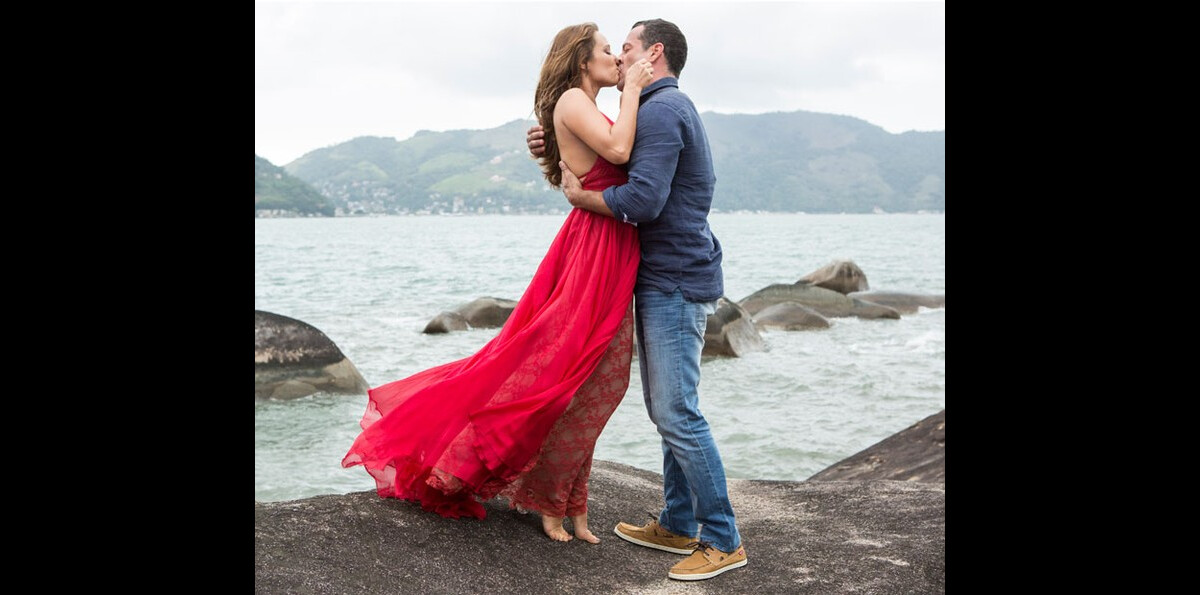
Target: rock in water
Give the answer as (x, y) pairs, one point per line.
(292, 359)
(488, 312)
(905, 303)
(730, 331)
(446, 322)
(789, 316)
(871, 310)
(818, 298)
(826, 302)
(485, 312)
(842, 276)
(917, 453)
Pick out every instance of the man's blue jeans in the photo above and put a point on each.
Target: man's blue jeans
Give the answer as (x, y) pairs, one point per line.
(670, 337)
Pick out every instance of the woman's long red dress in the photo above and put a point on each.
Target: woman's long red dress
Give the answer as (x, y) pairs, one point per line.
(520, 416)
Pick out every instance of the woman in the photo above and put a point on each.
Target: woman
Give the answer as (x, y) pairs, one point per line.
(520, 418)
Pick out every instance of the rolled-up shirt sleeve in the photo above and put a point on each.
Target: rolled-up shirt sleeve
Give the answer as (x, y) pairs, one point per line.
(656, 148)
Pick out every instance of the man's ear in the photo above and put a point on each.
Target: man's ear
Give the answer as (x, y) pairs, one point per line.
(656, 51)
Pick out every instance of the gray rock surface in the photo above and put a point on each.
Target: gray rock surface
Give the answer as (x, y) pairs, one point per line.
(904, 303)
(801, 537)
(446, 322)
(789, 316)
(871, 310)
(485, 312)
(293, 359)
(730, 331)
(825, 302)
(818, 298)
(842, 276)
(918, 453)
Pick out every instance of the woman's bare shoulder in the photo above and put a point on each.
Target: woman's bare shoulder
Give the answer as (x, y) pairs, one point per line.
(573, 98)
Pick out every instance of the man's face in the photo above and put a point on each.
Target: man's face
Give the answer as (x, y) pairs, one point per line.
(631, 51)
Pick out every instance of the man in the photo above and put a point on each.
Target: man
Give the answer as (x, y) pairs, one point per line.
(668, 195)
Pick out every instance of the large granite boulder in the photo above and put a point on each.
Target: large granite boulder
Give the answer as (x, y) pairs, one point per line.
(801, 537)
(789, 316)
(485, 312)
(730, 331)
(292, 359)
(917, 453)
(825, 302)
(842, 276)
(904, 303)
(817, 298)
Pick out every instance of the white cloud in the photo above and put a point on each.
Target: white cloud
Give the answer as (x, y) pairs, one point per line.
(326, 72)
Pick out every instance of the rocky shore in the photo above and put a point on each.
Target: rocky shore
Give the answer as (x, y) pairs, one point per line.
(868, 535)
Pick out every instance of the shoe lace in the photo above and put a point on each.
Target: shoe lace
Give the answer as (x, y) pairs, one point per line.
(653, 518)
(700, 546)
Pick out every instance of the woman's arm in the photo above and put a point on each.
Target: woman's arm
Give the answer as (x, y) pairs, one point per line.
(581, 116)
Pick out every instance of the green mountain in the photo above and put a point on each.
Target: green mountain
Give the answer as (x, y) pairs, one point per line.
(275, 190)
(823, 163)
(793, 161)
(456, 171)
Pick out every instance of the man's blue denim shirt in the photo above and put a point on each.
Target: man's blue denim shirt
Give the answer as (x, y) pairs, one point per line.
(668, 196)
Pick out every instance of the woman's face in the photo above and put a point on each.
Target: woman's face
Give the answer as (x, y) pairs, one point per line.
(602, 67)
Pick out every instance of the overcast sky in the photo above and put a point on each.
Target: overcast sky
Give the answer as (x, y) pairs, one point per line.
(326, 72)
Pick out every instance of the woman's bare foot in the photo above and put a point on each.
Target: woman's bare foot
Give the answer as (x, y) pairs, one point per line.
(553, 526)
(581, 529)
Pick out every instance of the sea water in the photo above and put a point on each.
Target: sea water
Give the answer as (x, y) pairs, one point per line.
(810, 400)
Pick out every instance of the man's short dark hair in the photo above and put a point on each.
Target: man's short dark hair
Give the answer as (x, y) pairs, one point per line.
(668, 34)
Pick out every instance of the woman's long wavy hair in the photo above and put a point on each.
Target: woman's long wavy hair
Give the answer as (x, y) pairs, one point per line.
(572, 46)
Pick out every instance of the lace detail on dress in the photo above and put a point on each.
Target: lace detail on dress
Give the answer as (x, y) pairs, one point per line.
(557, 482)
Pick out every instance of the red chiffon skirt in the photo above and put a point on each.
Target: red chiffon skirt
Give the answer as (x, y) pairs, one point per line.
(458, 434)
